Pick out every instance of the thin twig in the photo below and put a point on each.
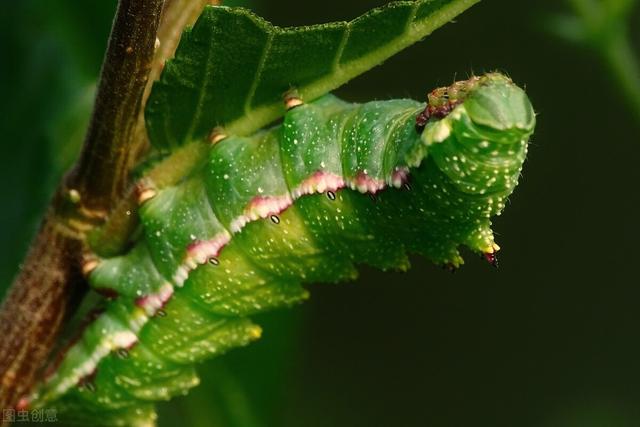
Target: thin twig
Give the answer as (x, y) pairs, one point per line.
(111, 146)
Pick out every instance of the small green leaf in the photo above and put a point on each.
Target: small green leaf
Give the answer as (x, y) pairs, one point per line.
(233, 67)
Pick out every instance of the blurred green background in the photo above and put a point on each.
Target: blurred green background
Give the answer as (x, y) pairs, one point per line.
(552, 338)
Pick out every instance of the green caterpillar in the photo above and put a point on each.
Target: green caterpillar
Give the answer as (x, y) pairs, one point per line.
(335, 185)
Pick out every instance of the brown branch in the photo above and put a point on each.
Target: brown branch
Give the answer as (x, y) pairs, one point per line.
(41, 296)
(112, 144)
(35, 308)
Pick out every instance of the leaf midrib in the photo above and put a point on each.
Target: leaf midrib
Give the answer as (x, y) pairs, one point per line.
(261, 116)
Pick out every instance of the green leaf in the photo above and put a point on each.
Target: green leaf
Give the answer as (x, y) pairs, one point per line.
(233, 67)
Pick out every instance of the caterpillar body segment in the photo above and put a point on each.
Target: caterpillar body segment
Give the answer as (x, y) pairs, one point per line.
(287, 206)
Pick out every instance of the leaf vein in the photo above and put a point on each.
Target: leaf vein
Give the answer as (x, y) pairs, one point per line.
(343, 43)
(206, 81)
(258, 76)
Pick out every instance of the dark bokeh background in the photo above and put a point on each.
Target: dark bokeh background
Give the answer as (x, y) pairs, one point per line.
(549, 339)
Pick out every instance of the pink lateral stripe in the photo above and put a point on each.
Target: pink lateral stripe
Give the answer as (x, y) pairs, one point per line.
(261, 207)
(366, 184)
(319, 182)
(153, 302)
(400, 176)
(202, 251)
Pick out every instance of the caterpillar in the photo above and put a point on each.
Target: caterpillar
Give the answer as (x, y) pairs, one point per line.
(335, 185)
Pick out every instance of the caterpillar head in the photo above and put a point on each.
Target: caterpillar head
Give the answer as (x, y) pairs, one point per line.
(477, 132)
